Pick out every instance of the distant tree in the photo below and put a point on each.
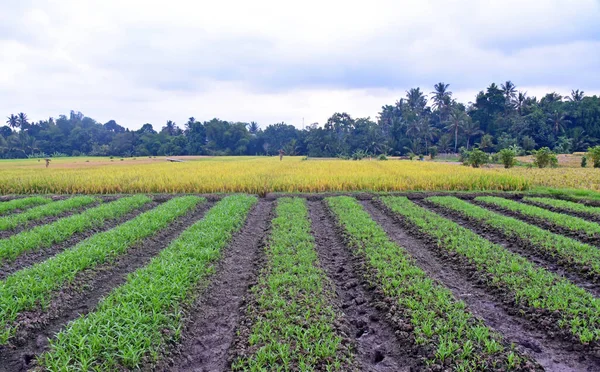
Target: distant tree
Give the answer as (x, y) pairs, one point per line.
(558, 120)
(456, 122)
(509, 90)
(471, 129)
(507, 157)
(576, 96)
(13, 121)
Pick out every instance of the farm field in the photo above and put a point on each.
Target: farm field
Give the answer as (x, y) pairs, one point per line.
(325, 282)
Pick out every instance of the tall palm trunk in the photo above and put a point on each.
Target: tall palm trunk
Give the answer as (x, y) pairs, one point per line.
(455, 139)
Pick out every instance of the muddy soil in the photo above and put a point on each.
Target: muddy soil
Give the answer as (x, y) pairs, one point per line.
(377, 347)
(32, 257)
(550, 353)
(211, 321)
(81, 296)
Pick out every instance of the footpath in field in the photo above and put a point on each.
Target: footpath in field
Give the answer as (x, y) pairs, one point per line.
(554, 303)
(211, 321)
(135, 322)
(82, 294)
(290, 320)
(377, 347)
(552, 354)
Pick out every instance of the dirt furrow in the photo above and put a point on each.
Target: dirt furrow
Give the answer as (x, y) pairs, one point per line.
(377, 347)
(81, 296)
(586, 216)
(32, 257)
(551, 353)
(517, 246)
(212, 320)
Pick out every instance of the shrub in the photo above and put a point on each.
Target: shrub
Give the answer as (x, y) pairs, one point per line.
(594, 154)
(383, 157)
(477, 158)
(544, 157)
(507, 157)
(583, 161)
(433, 152)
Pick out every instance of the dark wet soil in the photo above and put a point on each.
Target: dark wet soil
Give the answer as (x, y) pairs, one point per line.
(377, 347)
(541, 258)
(83, 294)
(32, 257)
(211, 321)
(551, 353)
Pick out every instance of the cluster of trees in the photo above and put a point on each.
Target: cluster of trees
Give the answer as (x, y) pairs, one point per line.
(500, 117)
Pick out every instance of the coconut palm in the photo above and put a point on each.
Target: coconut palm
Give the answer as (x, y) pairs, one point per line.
(509, 90)
(456, 121)
(471, 129)
(13, 121)
(576, 95)
(558, 121)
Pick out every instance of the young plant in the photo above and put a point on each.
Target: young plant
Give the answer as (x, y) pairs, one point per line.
(22, 203)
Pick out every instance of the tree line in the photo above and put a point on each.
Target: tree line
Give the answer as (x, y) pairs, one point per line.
(418, 124)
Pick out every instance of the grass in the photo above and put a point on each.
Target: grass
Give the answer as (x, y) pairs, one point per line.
(439, 321)
(137, 320)
(60, 230)
(46, 210)
(22, 203)
(565, 205)
(292, 317)
(576, 310)
(33, 286)
(567, 251)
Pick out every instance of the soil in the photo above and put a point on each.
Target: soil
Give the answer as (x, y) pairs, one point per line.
(377, 347)
(211, 321)
(83, 294)
(541, 258)
(585, 216)
(550, 353)
(32, 257)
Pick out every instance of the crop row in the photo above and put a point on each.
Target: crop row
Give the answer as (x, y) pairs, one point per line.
(292, 318)
(22, 203)
(565, 205)
(571, 223)
(34, 286)
(60, 230)
(46, 210)
(569, 252)
(437, 318)
(140, 318)
(576, 310)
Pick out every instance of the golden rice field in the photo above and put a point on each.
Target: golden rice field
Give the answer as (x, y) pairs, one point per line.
(267, 174)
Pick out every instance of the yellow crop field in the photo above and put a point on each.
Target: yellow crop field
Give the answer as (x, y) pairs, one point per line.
(247, 174)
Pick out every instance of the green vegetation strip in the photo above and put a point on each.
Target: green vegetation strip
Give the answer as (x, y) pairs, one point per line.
(292, 318)
(562, 220)
(438, 319)
(47, 210)
(138, 319)
(566, 250)
(11, 205)
(577, 311)
(59, 231)
(566, 205)
(31, 287)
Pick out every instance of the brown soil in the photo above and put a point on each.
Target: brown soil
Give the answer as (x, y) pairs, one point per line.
(211, 321)
(377, 347)
(83, 294)
(552, 354)
(32, 257)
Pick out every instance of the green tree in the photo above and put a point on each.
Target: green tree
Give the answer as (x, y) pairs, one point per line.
(507, 157)
(544, 157)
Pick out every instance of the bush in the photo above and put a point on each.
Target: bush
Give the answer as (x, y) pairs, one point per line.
(383, 157)
(594, 154)
(477, 158)
(507, 157)
(433, 152)
(583, 161)
(359, 155)
(463, 155)
(544, 157)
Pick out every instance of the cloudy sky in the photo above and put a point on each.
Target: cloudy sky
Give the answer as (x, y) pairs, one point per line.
(271, 61)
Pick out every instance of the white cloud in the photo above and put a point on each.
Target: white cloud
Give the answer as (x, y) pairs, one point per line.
(149, 61)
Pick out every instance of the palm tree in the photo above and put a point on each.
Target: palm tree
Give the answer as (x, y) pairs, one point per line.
(253, 128)
(471, 129)
(558, 121)
(13, 121)
(576, 95)
(416, 99)
(170, 127)
(509, 90)
(456, 122)
(579, 139)
(520, 101)
(439, 95)
(427, 131)
(23, 120)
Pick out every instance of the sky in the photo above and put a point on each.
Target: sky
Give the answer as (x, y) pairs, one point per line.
(271, 61)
